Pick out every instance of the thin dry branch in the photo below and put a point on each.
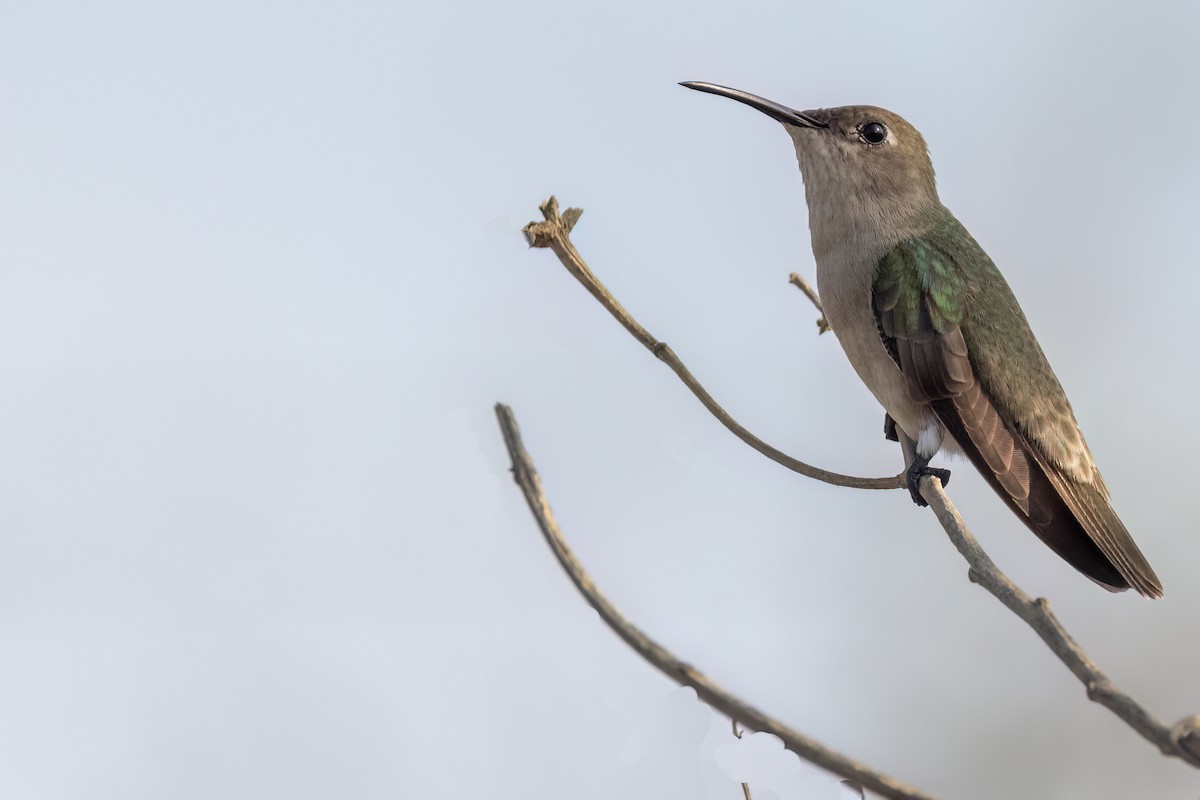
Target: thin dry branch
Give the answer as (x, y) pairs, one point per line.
(1180, 741)
(795, 280)
(809, 749)
(554, 233)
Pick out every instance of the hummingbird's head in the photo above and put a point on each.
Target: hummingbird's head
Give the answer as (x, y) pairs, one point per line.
(863, 152)
(865, 168)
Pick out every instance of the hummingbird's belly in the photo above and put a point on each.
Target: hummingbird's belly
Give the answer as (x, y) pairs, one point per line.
(847, 305)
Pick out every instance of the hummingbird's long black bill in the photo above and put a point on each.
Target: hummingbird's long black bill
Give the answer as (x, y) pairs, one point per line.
(788, 116)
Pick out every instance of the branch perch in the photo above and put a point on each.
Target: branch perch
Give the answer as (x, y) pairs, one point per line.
(1179, 741)
(809, 749)
(554, 232)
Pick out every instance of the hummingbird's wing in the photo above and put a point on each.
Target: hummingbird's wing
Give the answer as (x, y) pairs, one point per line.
(954, 328)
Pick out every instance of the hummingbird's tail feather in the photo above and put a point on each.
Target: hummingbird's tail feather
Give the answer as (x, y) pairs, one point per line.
(1090, 507)
(1072, 517)
(1075, 520)
(1025, 489)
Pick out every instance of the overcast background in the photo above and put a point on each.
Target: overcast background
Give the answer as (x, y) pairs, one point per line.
(263, 281)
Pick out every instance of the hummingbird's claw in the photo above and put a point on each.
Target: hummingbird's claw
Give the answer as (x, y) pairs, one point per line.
(918, 471)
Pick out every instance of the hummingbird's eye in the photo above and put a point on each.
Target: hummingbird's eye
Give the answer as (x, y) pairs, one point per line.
(873, 132)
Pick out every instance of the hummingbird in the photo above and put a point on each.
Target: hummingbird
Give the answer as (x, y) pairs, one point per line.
(934, 331)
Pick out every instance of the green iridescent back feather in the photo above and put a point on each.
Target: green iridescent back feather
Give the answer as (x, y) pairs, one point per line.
(926, 287)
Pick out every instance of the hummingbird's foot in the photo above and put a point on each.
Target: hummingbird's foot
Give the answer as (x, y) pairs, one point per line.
(889, 429)
(918, 470)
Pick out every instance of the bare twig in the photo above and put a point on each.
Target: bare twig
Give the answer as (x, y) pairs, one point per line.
(795, 280)
(810, 750)
(737, 732)
(1181, 741)
(554, 233)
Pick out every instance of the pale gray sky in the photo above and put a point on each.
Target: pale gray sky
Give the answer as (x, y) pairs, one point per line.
(263, 284)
